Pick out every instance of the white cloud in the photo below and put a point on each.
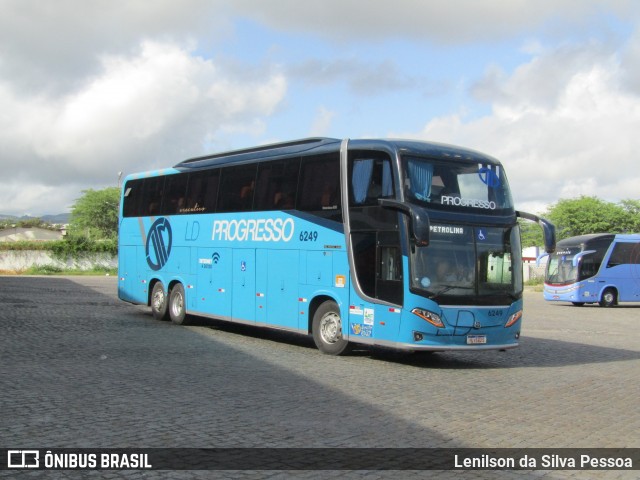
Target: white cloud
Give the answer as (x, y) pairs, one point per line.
(563, 125)
(52, 46)
(88, 89)
(362, 78)
(149, 109)
(37, 199)
(322, 122)
(450, 22)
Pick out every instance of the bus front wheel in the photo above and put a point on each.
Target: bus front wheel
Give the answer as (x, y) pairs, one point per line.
(159, 302)
(177, 305)
(609, 298)
(327, 329)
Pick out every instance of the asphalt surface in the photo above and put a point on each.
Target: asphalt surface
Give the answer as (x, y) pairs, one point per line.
(81, 369)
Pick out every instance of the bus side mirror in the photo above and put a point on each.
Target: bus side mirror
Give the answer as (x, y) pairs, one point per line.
(548, 229)
(420, 225)
(540, 257)
(578, 256)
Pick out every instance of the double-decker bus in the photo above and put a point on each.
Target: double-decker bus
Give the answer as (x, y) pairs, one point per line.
(600, 268)
(403, 244)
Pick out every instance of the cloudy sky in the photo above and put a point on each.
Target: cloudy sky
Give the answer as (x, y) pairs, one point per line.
(92, 88)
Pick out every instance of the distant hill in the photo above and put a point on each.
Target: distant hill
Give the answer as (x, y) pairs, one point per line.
(60, 218)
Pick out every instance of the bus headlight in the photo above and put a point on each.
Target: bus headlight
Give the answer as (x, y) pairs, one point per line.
(432, 318)
(513, 318)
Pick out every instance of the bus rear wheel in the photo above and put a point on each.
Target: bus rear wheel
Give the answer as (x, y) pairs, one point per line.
(327, 329)
(159, 302)
(609, 298)
(177, 305)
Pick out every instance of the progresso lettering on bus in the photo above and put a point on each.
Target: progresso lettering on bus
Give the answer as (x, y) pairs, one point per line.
(254, 230)
(467, 202)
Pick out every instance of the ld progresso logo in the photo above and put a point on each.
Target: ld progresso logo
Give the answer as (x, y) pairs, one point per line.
(159, 239)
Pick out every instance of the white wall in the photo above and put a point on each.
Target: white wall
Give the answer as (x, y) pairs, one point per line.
(19, 261)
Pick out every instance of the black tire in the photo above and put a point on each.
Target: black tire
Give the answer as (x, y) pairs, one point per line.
(609, 298)
(327, 329)
(159, 302)
(178, 305)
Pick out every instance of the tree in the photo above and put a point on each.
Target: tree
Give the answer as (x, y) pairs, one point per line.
(530, 233)
(31, 223)
(95, 214)
(632, 207)
(583, 215)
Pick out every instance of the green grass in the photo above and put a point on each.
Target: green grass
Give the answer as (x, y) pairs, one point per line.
(536, 284)
(51, 270)
(23, 245)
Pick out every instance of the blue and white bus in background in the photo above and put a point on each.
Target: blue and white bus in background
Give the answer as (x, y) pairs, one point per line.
(402, 244)
(600, 268)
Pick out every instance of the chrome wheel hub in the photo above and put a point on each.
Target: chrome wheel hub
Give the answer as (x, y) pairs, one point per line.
(331, 328)
(158, 300)
(177, 305)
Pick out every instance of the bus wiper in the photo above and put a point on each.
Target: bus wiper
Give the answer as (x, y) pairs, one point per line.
(511, 295)
(446, 288)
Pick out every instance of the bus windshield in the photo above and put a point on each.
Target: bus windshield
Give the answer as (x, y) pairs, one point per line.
(560, 269)
(458, 186)
(468, 265)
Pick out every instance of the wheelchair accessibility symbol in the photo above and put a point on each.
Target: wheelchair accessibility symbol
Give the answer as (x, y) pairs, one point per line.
(158, 248)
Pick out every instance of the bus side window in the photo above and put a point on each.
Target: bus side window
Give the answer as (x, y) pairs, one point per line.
(364, 249)
(370, 179)
(619, 255)
(588, 268)
(132, 198)
(624, 253)
(202, 191)
(175, 189)
(236, 188)
(277, 184)
(329, 191)
(152, 196)
(319, 186)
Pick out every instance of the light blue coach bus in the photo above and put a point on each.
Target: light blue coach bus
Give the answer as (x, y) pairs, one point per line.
(599, 268)
(403, 244)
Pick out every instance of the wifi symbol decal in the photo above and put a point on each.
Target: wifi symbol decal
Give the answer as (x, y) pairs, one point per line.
(215, 257)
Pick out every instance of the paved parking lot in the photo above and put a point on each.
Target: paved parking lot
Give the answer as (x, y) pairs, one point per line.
(81, 369)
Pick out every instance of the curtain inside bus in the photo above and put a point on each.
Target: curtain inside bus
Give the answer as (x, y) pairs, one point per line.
(361, 178)
(420, 177)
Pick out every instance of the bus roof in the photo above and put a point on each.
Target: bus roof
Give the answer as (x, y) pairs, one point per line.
(326, 145)
(593, 237)
(585, 239)
(633, 237)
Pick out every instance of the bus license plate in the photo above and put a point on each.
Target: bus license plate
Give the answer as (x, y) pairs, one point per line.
(476, 339)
